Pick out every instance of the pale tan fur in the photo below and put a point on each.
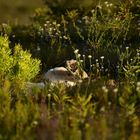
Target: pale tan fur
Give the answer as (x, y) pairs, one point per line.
(30, 85)
(71, 74)
(72, 65)
(60, 75)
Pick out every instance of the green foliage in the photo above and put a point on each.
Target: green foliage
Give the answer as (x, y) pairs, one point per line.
(104, 39)
(132, 68)
(24, 67)
(17, 119)
(5, 59)
(19, 66)
(98, 32)
(62, 113)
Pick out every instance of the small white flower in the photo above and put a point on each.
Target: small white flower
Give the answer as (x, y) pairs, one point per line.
(127, 48)
(65, 37)
(49, 95)
(76, 51)
(138, 84)
(107, 5)
(89, 56)
(93, 65)
(58, 25)
(102, 67)
(115, 90)
(104, 88)
(13, 36)
(106, 70)
(92, 11)
(53, 104)
(106, 2)
(102, 57)
(96, 60)
(83, 56)
(79, 55)
(109, 103)
(47, 21)
(41, 29)
(102, 109)
(138, 89)
(54, 23)
(97, 65)
(35, 123)
(45, 25)
(38, 48)
(117, 66)
(110, 4)
(50, 29)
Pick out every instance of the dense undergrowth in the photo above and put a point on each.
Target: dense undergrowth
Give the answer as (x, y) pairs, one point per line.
(105, 40)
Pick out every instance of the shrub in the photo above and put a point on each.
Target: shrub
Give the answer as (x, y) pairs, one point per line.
(17, 66)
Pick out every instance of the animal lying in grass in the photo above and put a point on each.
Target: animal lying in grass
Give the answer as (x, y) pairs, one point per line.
(70, 76)
(60, 75)
(72, 73)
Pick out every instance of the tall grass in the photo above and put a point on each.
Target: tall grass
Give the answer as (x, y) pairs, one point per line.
(105, 106)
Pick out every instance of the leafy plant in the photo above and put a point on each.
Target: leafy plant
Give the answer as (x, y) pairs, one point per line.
(17, 67)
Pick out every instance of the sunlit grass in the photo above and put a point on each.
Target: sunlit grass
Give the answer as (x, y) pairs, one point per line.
(103, 106)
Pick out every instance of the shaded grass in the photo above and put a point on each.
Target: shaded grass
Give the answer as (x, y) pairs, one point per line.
(64, 113)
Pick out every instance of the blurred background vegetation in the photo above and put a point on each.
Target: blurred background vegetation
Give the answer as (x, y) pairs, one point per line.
(18, 11)
(55, 28)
